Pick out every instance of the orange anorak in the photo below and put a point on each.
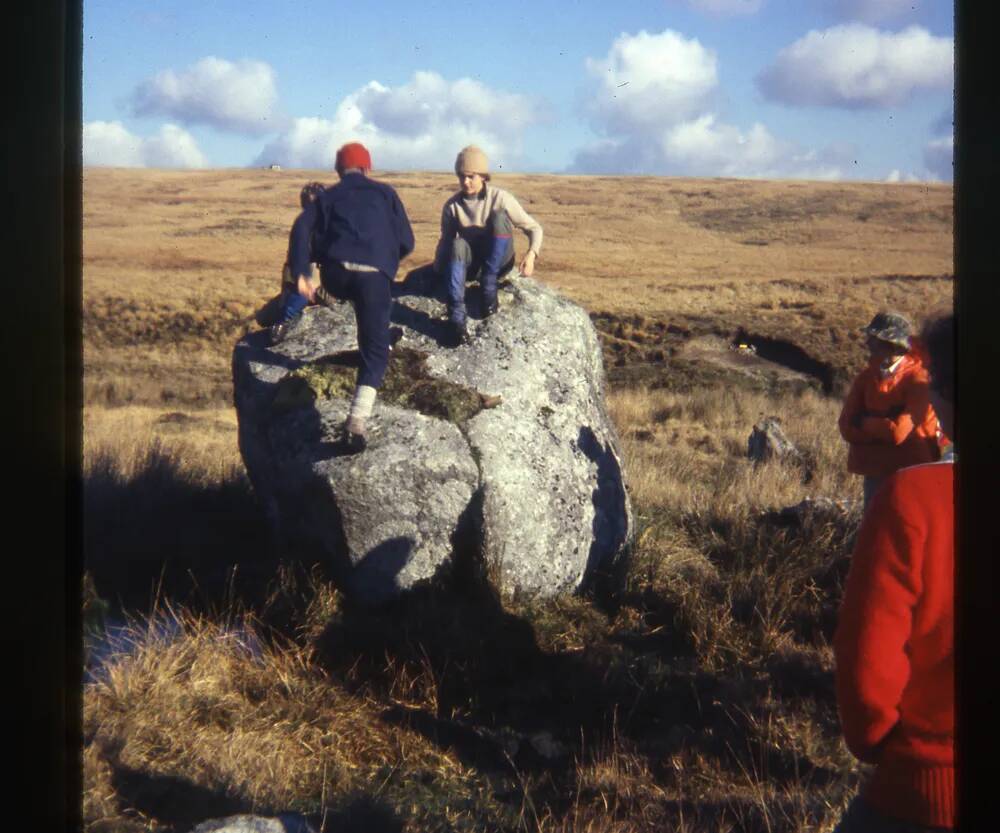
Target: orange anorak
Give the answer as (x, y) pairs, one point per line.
(898, 428)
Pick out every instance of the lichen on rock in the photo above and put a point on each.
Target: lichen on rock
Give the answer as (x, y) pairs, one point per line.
(407, 384)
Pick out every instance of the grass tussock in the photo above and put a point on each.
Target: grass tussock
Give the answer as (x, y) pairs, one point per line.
(689, 690)
(235, 724)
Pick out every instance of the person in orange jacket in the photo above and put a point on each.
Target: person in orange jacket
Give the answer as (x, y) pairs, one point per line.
(887, 417)
(894, 645)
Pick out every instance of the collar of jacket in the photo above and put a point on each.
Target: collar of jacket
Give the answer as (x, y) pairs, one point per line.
(904, 364)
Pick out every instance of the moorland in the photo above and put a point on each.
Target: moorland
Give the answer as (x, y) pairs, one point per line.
(691, 690)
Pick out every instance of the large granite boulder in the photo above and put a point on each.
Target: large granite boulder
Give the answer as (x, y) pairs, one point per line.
(501, 448)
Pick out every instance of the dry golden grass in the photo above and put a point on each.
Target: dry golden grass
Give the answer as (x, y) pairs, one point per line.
(253, 725)
(175, 263)
(687, 452)
(689, 690)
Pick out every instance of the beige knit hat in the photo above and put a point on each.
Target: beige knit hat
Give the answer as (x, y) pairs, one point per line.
(471, 159)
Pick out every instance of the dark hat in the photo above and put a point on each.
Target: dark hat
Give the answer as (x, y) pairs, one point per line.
(310, 191)
(891, 327)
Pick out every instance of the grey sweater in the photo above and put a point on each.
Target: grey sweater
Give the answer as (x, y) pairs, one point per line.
(467, 216)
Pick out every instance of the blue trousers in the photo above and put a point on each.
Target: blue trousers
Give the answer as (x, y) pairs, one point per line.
(486, 257)
(371, 296)
(292, 304)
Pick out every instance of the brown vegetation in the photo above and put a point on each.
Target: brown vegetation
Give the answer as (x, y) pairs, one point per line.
(691, 690)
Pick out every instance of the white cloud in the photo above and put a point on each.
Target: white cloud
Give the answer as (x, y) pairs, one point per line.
(723, 8)
(110, 144)
(421, 125)
(240, 97)
(870, 11)
(856, 66)
(651, 100)
(706, 147)
(939, 156)
(650, 81)
(895, 175)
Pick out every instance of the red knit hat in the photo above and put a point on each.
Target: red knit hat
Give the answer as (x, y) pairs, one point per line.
(353, 155)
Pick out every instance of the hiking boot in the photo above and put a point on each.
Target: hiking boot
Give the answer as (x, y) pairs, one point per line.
(490, 306)
(355, 436)
(460, 333)
(278, 332)
(395, 334)
(325, 299)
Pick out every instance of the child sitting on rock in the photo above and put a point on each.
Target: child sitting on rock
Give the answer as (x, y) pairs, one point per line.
(477, 237)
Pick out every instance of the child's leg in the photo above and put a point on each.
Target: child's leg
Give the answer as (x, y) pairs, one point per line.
(498, 259)
(372, 298)
(458, 266)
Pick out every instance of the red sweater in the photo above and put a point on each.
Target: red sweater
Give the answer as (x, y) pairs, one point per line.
(895, 648)
(900, 426)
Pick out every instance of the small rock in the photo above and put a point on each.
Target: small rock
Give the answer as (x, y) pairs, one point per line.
(547, 746)
(245, 823)
(768, 442)
(820, 507)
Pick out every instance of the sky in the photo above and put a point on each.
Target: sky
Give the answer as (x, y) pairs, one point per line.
(777, 89)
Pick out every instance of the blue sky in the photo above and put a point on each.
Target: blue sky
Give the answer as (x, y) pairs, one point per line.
(814, 89)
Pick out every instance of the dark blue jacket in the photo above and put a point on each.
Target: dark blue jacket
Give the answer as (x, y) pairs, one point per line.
(358, 220)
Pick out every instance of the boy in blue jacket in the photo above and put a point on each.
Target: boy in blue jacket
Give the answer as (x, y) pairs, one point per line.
(357, 231)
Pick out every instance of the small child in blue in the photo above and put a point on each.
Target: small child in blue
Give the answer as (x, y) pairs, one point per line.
(293, 298)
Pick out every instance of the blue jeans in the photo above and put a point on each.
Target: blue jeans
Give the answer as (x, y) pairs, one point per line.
(486, 257)
(292, 304)
(861, 817)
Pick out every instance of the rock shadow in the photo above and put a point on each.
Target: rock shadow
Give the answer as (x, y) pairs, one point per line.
(176, 801)
(610, 524)
(182, 804)
(499, 702)
(160, 531)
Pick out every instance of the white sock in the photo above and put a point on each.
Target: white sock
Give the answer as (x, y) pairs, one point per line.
(363, 402)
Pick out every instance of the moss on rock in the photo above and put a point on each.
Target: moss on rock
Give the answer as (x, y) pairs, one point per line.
(407, 384)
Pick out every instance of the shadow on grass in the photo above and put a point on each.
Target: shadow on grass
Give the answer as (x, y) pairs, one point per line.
(163, 532)
(175, 801)
(456, 664)
(182, 804)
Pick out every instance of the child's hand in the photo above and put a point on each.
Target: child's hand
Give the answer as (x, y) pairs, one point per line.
(307, 289)
(527, 265)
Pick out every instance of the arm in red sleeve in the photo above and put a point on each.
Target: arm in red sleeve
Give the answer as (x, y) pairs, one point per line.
(875, 622)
